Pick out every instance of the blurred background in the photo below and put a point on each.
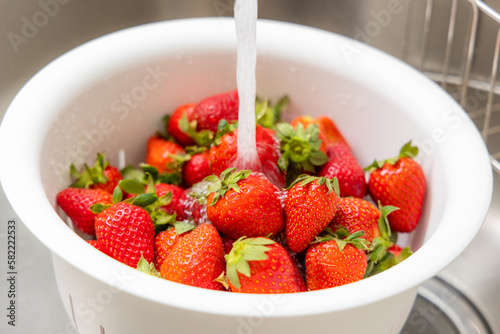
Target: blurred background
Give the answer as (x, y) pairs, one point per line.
(454, 42)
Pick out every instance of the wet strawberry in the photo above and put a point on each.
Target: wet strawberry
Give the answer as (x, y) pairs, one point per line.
(260, 265)
(209, 111)
(400, 182)
(76, 203)
(345, 167)
(223, 154)
(126, 233)
(310, 204)
(334, 262)
(159, 153)
(244, 204)
(197, 259)
(174, 128)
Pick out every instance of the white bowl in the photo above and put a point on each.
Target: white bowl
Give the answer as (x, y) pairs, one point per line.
(77, 106)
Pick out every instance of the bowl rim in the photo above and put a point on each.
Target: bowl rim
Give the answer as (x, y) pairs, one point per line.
(101, 53)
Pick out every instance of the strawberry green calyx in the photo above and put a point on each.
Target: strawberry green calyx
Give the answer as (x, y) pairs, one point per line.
(201, 138)
(407, 151)
(268, 115)
(342, 237)
(244, 250)
(90, 175)
(146, 267)
(228, 181)
(332, 184)
(130, 172)
(386, 262)
(380, 245)
(224, 127)
(300, 148)
(383, 222)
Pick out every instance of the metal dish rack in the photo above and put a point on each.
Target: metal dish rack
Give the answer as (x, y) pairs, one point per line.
(449, 55)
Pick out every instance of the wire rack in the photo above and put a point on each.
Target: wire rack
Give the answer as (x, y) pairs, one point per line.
(461, 55)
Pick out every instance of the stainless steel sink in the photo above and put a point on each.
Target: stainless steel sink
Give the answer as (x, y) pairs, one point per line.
(33, 33)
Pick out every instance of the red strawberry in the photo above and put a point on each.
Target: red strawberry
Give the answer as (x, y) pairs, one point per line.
(159, 153)
(228, 243)
(345, 167)
(357, 214)
(196, 259)
(196, 168)
(126, 232)
(183, 112)
(178, 202)
(100, 176)
(76, 203)
(209, 111)
(164, 242)
(261, 265)
(310, 204)
(244, 204)
(400, 182)
(223, 154)
(335, 262)
(96, 245)
(395, 250)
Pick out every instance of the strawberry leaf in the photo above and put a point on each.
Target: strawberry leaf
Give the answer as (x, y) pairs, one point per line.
(117, 194)
(146, 267)
(99, 207)
(383, 222)
(132, 186)
(143, 200)
(183, 227)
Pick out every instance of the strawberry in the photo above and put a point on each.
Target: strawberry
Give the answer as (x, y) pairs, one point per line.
(76, 203)
(345, 167)
(228, 243)
(329, 133)
(159, 153)
(334, 261)
(399, 181)
(300, 148)
(96, 245)
(357, 214)
(395, 250)
(178, 202)
(310, 204)
(101, 175)
(197, 259)
(209, 111)
(174, 128)
(261, 265)
(244, 203)
(196, 168)
(164, 242)
(223, 153)
(126, 232)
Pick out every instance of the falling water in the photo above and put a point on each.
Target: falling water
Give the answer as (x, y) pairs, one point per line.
(245, 15)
